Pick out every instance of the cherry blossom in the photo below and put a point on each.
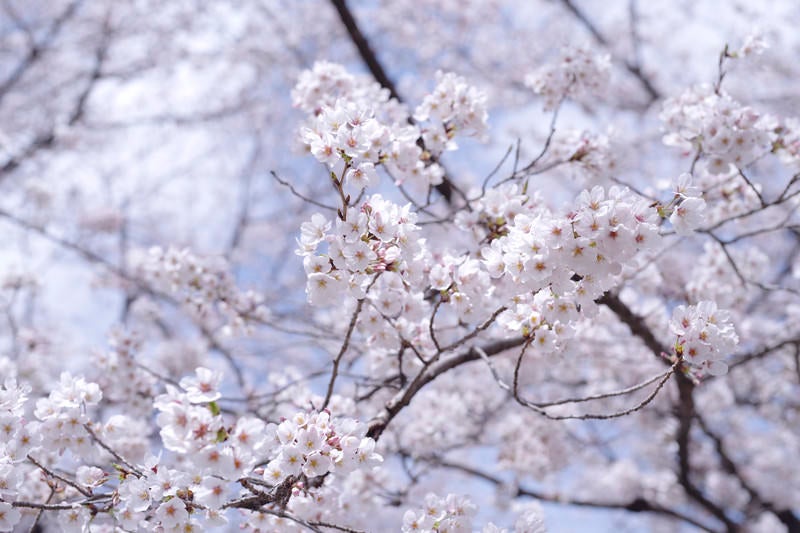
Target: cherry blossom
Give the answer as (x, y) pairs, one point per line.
(421, 265)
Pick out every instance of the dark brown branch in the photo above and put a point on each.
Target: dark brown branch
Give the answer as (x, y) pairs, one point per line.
(636, 323)
(278, 495)
(786, 516)
(684, 410)
(404, 397)
(37, 49)
(364, 49)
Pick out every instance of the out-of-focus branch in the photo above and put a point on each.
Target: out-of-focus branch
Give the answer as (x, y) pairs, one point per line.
(47, 139)
(37, 49)
(245, 179)
(100, 56)
(652, 93)
(684, 409)
(637, 505)
(786, 516)
(123, 274)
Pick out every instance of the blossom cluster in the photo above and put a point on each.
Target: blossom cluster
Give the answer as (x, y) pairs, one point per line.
(727, 132)
(594, 156)
(349, 502)
(378, 238)
(531, 447)
(61, 426)
(577, 72)
(18, 437)
(169, 499)
(704, 336)
(686, 210)
(352, 135)
(326, 83)
(187, 423)
(453, 106)
(726, 195)
(202, 284)
(16, 441)
(713, 277)
(314, 444)
(352, 141)
(120, 377)
(63, 414)
(455, 514)
(576, 255)
(450, 514)
(212, 453)
(788, 143)
(550, 267)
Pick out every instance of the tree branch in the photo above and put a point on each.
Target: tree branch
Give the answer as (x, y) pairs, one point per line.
(637, 505)
(652, 93)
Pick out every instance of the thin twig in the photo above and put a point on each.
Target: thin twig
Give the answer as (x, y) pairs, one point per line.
(298, 194)
(35, 523)
(647, 85)
(52, 474)
(345, 344)
(514, 391)
(113, 452)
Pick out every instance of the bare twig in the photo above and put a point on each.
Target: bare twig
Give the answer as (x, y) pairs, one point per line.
(59, 477)
(514, 391)
(37, 49)
(337, 360)
(346, 343)
(113, 452)
(299, 195)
